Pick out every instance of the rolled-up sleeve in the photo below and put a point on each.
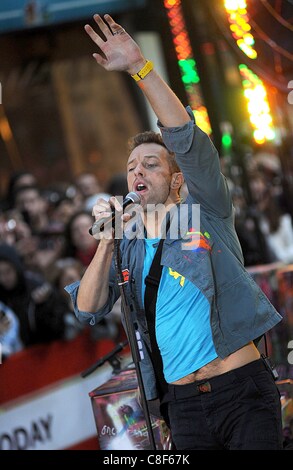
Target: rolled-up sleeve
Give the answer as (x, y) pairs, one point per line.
(87, 317)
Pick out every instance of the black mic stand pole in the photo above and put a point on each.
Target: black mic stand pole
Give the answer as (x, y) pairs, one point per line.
(132, 339)
(110, 357)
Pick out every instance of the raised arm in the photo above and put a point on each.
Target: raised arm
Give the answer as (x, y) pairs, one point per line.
(121, 53)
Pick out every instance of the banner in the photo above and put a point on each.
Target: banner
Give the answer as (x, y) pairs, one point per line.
(44, 402)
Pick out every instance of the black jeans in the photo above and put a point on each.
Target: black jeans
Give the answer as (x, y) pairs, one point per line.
(237, 410)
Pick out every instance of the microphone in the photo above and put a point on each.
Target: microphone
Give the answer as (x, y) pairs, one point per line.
(98, 225)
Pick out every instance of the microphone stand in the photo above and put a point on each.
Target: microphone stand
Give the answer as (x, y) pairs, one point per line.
(134, 339)
(110, 357)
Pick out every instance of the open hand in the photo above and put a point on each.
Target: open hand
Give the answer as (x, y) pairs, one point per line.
(120, 51)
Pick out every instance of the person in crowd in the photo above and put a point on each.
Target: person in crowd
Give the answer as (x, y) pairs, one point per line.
(288, 431)
(209, 313)
(88, 184)
(253, 242)
(34, 302)
(30, 202)
(46, 243)
(70, 270)
(64, 209)
(66, 271)
(90, 190)
(117, 185)
(79, 244)
(13, 228)
(9, 332)
(18, 179)
(276, 226)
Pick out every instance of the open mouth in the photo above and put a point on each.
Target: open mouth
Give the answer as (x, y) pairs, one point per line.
(139, 187)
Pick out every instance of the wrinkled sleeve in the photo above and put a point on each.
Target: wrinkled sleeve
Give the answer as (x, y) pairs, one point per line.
(199, 162)
(93, 318)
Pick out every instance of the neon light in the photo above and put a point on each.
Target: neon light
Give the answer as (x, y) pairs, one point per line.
(187, 63)
(239, 26)
(257, 105)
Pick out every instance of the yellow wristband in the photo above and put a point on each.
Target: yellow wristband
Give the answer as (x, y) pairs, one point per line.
(147, 68)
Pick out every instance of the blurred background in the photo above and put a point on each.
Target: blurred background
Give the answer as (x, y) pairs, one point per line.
(64, 126)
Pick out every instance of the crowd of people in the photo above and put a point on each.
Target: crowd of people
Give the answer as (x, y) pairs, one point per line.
(264, 220)
(44, 245)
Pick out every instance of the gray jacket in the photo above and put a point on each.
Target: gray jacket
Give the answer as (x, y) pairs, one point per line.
(239, 310)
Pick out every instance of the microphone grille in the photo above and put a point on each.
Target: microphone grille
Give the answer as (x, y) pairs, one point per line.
(134, 197)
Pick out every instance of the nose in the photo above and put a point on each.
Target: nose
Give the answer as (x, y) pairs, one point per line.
(139, 170)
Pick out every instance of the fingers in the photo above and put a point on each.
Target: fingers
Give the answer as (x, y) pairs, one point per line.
(104, 29)
(113, 25)
(93, 35)
(104, 209)
(101, 209)
(100, 60)
(108, 214)
(103, 26)
(115, 202)
(108, 33)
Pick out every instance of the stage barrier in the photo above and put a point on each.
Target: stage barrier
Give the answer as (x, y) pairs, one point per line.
(44, 402)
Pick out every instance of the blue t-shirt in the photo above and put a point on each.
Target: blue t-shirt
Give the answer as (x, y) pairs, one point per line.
(183, 328)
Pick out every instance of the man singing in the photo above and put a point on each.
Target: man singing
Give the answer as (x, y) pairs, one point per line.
(220, 394)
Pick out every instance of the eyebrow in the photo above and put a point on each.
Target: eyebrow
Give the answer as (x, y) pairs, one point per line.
(145, 156)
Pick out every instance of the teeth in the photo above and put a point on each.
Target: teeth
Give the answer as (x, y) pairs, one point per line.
(140, 187)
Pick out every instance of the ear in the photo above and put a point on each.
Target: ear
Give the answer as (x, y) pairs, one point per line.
(177, 180)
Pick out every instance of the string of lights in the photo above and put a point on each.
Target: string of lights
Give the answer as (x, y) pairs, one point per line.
(240, 27)
(257, 105)
(187, 63)
(276, 15)
(259, 66)
(254, 89)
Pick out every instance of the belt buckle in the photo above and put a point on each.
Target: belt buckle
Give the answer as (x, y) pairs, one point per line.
(205, 387)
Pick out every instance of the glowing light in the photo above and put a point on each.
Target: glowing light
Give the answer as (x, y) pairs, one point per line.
(202, 119)
(257, 105)
(188, 71)
(248, 39)
(259, 136)
(239, 25)
(5, 130)
(187, 63)
(251, 53)
(226, 141)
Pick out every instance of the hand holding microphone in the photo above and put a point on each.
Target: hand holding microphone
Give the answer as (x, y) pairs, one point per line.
(105, 214)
